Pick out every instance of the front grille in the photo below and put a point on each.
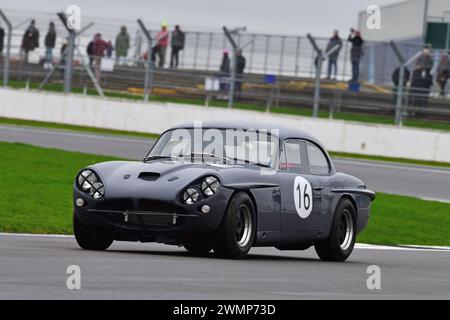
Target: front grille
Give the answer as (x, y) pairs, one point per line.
(116, 204)
(154, 206)
(151, 219)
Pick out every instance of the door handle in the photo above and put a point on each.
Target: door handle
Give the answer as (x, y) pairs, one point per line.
(318, 188)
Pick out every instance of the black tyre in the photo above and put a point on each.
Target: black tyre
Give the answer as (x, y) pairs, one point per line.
(237, 231)
(198, 248)
(91, 237)
(339, 245)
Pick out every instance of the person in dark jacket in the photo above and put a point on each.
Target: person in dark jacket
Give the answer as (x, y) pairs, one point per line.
(395, 77)
(356, 52)
(50, 40)
(177, 44)
(224, 72)
(240, 67)
(2, 39)
(420, 87)
(335, 40)
(90, 51)
(30, 39)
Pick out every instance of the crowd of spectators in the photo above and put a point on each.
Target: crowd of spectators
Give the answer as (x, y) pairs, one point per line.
(420, 79)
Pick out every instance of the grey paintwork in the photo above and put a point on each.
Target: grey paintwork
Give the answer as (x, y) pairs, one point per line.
(272, 193)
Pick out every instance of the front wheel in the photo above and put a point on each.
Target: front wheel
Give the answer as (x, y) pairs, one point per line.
(237, 231)
(91, 237)
(339, 245)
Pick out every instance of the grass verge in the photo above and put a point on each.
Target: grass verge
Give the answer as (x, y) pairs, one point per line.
(37, 198)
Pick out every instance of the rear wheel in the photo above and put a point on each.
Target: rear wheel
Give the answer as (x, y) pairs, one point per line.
(237, 231)
(91, 237)
(339, 245)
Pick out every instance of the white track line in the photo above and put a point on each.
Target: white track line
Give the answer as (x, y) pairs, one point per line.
(362, 246)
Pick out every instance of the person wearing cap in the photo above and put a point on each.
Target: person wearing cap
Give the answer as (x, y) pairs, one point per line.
(356, 52)
(162, 40)
(50, 40)
(30, 39)
(177, 43)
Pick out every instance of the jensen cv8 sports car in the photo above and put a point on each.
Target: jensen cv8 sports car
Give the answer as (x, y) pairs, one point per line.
(224, 186)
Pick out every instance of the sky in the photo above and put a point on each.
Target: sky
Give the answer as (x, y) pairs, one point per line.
(297, 17)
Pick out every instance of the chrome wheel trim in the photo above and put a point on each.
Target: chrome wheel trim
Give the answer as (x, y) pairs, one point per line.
(243, 226)
(346, 230)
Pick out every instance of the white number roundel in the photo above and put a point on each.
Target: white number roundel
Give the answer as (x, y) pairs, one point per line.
(303, 198)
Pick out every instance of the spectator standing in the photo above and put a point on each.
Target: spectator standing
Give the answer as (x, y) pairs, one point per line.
(63, 57)
(356, 53)
(2, 39)
(396, 80)
(224, 73)
(177, 44)
(99, 48)
(50, 40)
(122, 46)
(425, 61)
(30, 39)
(240, 67)
(90, 51)
(335, 40)
(109, 49)
(443, 72)
(162, 40)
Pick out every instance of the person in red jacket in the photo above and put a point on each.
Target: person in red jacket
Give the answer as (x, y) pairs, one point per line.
(98, 51)
(162, 41)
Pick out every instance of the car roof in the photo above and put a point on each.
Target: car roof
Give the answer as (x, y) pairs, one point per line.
(284, 131)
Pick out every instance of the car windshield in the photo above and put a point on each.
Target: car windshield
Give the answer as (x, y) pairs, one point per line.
(228, 146)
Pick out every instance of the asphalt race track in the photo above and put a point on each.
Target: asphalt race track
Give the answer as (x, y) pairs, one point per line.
(419, 181)
(34, 267)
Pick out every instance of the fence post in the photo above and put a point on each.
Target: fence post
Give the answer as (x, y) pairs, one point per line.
(318, 72)
(8, 50)
(148, 80)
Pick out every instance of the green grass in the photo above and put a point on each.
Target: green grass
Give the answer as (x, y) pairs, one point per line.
(407, 220)
(298, 111)
(37, 184)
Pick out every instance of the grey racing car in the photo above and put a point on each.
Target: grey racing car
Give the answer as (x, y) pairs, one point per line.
(227, 187)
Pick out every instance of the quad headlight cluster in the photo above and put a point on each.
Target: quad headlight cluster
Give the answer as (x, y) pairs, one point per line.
(89, 182)
(209, 186)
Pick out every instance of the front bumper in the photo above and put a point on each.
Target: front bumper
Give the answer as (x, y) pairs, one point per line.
(152, 216)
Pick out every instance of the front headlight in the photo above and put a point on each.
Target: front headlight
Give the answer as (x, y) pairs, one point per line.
(97, 190)
(210, 186)
(89, 182)
(191, 196)
(86, 179)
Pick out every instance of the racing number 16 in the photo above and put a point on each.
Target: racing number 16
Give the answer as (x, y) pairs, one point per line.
(303, 197)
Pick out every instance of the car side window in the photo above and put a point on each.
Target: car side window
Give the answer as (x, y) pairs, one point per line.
(291, 157)
(318, 162)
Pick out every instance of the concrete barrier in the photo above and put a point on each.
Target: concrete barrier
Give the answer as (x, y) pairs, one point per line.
(119, 114)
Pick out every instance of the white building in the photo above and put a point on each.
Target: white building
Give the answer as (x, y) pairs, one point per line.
(412, 21)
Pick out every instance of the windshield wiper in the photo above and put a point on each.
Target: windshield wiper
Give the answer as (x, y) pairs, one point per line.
(156, 157)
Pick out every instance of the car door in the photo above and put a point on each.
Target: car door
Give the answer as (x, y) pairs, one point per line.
(301, 191)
